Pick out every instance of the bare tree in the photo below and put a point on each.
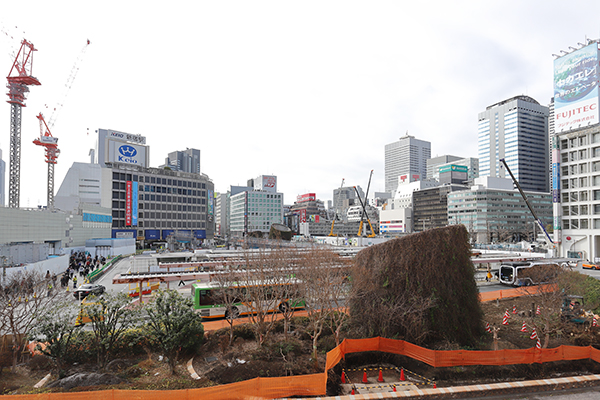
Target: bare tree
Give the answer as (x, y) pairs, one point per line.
(262, 289)
(323, 278)
(229, 294)
(548, 295)
(24, 297)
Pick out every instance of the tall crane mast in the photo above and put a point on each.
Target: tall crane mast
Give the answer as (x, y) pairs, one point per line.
(19, 78)
(46, 139)
(51, 144)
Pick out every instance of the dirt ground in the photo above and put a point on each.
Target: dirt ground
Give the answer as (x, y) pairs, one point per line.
(218, 363)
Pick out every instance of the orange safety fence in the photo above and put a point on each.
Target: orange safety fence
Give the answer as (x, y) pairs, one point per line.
(315, 384)
(516, 292)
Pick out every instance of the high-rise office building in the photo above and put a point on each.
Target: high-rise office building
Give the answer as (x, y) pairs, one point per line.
(2, 178)
(515, 129)
(405, 159)
(186, 161)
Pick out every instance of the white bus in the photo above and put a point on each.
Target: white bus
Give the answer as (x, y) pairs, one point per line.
(528, 273)
(208, 299)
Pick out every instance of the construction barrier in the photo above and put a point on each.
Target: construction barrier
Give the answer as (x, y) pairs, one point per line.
(315, 384)
(516, 292)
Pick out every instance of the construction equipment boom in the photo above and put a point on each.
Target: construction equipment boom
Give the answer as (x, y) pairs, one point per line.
(46, 139)
(19, 78)
(538, 221)
(364, 210)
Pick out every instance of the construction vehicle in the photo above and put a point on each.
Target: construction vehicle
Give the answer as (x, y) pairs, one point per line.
(538, 221)
(336, 210)
(364, 210)
(573, 311)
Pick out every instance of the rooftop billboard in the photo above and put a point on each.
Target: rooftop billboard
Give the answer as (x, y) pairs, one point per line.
(576, 89)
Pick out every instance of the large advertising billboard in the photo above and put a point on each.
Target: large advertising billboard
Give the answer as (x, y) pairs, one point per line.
(576, 89)
(127, 153)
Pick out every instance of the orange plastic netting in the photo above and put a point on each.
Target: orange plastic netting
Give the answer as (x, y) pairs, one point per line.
(315, 384)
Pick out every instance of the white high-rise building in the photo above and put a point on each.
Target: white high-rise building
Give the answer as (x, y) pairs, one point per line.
(405, 159)
(516, 130)
(2, 179)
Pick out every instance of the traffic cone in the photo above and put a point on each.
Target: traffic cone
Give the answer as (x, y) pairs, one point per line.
(506, 314)
(594, 322)
(524, 328)
(394, 388)
(434, 385)
(538, 311)
(352, 390)
(402, 378)
(533, 334)
(380, 378)
(487, 327)
(365, 380)
(343, 377)
(505, 319)
(538, 345)
(514, 309)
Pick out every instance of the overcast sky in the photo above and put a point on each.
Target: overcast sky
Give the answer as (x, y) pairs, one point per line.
(308, 91)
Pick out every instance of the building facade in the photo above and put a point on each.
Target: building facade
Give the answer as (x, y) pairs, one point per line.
(434, 163)
(187, 160)
(492, 211)
(222, 214)
(2, 179)
(147, 204)
(516, 130)
(430, 207)
(255, 209)
(405, 159)
(343, 198)
(579, 193)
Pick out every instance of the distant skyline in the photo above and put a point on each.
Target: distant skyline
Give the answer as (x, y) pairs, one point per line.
(310, 92)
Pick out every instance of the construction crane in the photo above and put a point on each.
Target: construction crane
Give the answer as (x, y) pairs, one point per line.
(46, 139)
(335, 216)
(364, 211)
(19, 78)
(538, 221)
(51, 144)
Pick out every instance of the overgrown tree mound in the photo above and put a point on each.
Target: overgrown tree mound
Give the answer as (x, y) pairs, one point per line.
(420, 287)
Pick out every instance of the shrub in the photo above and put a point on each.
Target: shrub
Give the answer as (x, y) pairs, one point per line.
(244, 331)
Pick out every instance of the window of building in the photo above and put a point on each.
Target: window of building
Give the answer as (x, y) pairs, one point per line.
(583, 224)
(596, 180)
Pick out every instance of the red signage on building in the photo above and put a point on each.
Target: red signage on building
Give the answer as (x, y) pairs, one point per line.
(302, 215)
(306, 197)
(128, 204)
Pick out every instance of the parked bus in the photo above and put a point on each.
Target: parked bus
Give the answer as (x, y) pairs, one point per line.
(208, 298)
(527, 273)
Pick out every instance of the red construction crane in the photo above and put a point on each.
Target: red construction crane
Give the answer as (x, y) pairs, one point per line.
(46, 139)
(19, 78)
(51, 144)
